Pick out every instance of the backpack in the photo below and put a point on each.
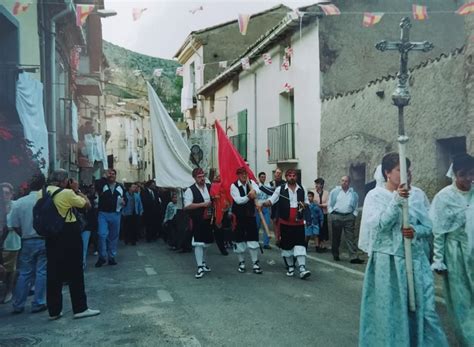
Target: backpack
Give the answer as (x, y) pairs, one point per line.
(46, 219)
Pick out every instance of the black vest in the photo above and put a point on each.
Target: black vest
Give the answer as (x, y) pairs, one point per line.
(284, 203)
(198, 213)
(245, 210)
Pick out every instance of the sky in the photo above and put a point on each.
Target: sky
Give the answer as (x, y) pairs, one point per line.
(165, 24)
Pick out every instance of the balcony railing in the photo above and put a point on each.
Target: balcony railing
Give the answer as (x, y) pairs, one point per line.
(240, 143)
(281, 143)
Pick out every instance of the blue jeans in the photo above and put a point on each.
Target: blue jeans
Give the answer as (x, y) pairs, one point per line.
(31, 267)
(86, 234)
(109, 228)
(266, 215)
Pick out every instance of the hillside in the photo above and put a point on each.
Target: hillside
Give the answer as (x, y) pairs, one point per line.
(126, 82)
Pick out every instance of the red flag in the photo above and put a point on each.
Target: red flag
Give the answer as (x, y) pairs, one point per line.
(229, 160)
(419, 12)
(466, 9)
(18, 7)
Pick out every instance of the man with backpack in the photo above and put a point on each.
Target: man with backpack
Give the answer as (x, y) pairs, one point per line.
(112, 199)
(64, 247)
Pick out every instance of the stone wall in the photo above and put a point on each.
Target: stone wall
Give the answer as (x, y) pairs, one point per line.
(227, 43)
(348, 57)
(359, 127)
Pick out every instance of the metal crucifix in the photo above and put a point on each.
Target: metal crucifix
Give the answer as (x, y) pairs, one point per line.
(401, 98)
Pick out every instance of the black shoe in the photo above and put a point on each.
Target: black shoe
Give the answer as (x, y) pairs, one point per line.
(336, 258)
(357, 261)
(224, 252)
(112, 261)
(267, 247)
(18, 311)
(39, 309)
(100, 262)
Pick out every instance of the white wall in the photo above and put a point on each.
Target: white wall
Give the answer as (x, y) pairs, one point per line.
(28, 33)
(304, 76)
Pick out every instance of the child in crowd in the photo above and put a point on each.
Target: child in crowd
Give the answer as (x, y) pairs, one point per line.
(314, 219)
(169, 222)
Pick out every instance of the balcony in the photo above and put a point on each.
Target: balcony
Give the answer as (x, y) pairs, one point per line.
(240, 143)
(281, 143)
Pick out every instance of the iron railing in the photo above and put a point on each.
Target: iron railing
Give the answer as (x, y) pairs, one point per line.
(281, 143)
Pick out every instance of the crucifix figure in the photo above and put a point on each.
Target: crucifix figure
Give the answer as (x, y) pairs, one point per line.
(401, 98)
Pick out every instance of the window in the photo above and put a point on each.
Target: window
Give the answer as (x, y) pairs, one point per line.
(287, 107)
(212, 103)
(357, 175)
(446, 149)
(240, 140)
(235, 84)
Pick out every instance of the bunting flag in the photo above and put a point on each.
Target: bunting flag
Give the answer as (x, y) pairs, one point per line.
(157, 72)
(194, 10)
(288, 51)
(18, 7)
(245, 63)
(419, 12)
(286, 64)
(137, 13)
(370, 19)
(179, 71)
(330, 10)
(229, 160)
(223, 64)
(466, 9)
(243, 23)
(82, 12)
(287, 87)
(267, 58)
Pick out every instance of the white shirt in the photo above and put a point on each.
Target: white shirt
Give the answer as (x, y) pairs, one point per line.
(234, 191)
(188, 195)
(291, 194)
(22, 215)
(343, 202)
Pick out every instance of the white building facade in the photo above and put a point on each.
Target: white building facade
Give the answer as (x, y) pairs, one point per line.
(272, 114)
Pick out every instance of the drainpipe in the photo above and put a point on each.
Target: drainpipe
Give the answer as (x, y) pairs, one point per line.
(52, 75)
(255, 118)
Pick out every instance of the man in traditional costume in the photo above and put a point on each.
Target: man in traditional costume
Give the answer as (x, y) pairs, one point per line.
(294, 199)
(244, 192)
(197, 201)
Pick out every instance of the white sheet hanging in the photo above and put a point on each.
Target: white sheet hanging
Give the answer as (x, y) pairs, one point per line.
(170, 151)
(74, 122)
(29, 104)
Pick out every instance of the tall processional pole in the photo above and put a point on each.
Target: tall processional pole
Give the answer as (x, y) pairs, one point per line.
(401, 98)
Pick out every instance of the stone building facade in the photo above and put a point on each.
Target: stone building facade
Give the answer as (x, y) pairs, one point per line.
(359, 127)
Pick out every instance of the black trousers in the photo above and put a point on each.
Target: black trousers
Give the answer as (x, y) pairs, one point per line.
(150, 226)
(130, 224)
(64, 256)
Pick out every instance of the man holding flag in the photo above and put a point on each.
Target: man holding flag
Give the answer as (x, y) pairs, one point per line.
(244, 192)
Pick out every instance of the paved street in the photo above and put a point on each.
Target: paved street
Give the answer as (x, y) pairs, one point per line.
(151, 298)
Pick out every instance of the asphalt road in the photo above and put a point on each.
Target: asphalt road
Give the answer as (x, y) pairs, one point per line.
(151, 298)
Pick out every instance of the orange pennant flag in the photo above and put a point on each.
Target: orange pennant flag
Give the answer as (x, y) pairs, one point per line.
(82, 12)
(466, 9)
(330, 10)
(243, 23)
(18, 7)
(370, 19)
(419, 12)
